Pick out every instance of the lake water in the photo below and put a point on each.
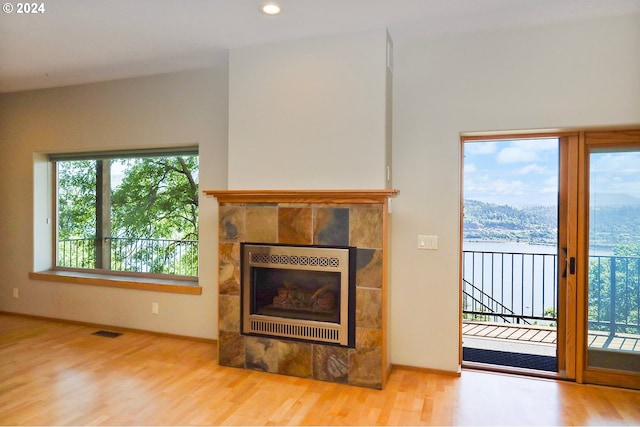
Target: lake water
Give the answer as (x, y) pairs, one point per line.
(513, 278)
(508, 247)
(526, 248)
(510, 278)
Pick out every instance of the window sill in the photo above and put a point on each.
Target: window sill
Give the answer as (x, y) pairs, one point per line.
(128, 282)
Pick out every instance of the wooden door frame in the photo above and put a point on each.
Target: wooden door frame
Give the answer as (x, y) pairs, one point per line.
(567, 223)
(567, 239)
(590, 141)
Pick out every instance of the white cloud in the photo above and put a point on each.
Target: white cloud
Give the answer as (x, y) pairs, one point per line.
(493, 187)
(527, 150)
(620, 163)
(480, 147)
(550, 185)
(515, 172)
(541, 144)
(516, 155)
(469, 168)
(617, 172)
(533, 168)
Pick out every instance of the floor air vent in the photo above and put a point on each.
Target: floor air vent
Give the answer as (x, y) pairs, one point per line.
(107, 334)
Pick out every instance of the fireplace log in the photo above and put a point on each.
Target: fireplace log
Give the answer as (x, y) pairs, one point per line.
(294, 297)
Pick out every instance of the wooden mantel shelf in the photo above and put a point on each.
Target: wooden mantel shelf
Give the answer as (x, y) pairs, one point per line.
(302, 196)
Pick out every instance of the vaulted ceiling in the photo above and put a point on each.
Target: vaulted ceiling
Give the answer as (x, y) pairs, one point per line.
(81, 41)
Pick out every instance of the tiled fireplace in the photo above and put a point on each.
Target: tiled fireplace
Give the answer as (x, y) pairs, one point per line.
(306, 220)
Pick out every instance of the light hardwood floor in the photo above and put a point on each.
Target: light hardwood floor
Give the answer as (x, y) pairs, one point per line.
(55, 373)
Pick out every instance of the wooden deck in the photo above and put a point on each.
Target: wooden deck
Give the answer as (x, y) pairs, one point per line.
(533, 334)
(507, 331)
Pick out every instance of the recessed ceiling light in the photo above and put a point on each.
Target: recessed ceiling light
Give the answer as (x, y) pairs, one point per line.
(270, 8)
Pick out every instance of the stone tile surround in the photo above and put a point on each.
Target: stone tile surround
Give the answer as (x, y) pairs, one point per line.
(358, 222)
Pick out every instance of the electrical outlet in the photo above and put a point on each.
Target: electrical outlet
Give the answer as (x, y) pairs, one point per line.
(154, 308)
(16, 293)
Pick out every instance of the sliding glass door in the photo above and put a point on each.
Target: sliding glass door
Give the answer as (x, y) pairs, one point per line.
(610, 258)
(510, 277)
(597, 264)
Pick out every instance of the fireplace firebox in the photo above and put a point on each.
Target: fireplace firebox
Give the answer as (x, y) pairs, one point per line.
(299, 292)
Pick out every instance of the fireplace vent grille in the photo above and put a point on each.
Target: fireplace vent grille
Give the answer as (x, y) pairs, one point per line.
(314, 261)
(292, 330)
(299, 292)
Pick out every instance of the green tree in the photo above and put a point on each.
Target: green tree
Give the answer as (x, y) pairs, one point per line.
(615, 297)
(76, 213)
(157, 199)
(162, 189)
(491, 222)
(153, 217)
(77, 199)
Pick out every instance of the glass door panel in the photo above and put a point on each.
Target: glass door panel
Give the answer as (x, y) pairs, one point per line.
(510, 271)
(613, 265)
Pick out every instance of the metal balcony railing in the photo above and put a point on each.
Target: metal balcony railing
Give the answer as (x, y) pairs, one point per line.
(510, 287)
(522, 288)
(164, 256)
(614, 294)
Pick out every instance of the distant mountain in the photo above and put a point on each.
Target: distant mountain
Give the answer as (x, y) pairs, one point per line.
(614, 199)
(492, 222)
(615, 220)
(614, 224)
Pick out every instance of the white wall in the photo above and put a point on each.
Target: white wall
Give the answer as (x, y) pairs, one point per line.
(168, 110)
(580, 74)
(309, 114)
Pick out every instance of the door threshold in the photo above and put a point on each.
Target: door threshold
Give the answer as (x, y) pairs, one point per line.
(477, 366)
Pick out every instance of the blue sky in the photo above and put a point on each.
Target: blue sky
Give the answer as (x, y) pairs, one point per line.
(516, 173)
(525, 172)
(615, 173)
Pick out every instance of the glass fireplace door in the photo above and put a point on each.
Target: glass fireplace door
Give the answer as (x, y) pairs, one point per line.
(299, 292)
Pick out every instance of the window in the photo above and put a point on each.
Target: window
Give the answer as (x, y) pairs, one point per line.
(128, 212)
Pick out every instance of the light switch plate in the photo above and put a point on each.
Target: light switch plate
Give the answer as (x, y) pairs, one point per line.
(427, 242)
